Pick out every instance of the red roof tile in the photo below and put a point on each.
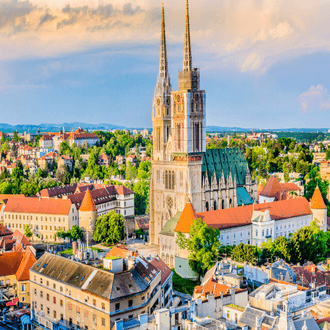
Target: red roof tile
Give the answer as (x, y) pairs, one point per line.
(272, 187)
(163, 268)
(9, 262)
(212, 287)
(122, 190)
(119, 251)
(4, 231)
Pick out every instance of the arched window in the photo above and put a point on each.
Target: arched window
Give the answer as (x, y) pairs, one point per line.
(230, 202)
(206, 206)
(215, 205)
(267, 232)
(256, 232)
(222, 204)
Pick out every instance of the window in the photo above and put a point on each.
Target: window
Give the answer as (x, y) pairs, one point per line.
(41, 294)
(42, 307)
(70, 307)
(130, 303)
(47, 296)
(23, 287)
(55, 315)
(94, 318)
(48, 310)
(78, 310)
(103, 322)
(86, 314)
(54, 300)
(47, 283)
(40, 280)
(103, 305)
(94, 302)
(61, 303)
(61, 288)
(35, 291)
(117, 307)
(54, 286)
(130, 317)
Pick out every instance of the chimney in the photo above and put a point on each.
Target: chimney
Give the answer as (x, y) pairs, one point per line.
(74, 248)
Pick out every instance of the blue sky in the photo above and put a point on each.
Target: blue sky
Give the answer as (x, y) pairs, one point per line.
(264, 63)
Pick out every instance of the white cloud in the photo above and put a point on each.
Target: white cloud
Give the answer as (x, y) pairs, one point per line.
(251, 63)
(316, 98)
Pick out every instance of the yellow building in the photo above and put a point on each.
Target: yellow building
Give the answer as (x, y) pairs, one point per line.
(65, 293)
(44, 215)
(325, 173)
(14, 275)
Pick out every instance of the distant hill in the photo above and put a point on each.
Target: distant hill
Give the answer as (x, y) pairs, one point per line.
(72, 126)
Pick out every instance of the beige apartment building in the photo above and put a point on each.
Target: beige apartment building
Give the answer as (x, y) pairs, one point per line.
(44, 215)
(68, 294)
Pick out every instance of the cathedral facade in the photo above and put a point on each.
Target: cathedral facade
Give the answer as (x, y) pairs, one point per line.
(182, 168)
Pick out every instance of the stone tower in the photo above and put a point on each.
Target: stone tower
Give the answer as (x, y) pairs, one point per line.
(179, 139)
(87, 216)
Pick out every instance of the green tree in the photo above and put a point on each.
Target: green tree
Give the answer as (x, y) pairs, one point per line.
(309, 243)
(27, 231)
(60, 233)
(203, 244)
(16, 137)
(75, 233)
(109, 228)
(244, 252)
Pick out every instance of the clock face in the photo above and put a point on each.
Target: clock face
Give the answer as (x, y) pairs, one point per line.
(158, 101)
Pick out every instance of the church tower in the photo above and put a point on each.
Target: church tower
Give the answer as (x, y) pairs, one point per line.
(179, 139)
(161, 110)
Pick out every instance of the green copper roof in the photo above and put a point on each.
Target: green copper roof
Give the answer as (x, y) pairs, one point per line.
(170, 225)
(243, 196)
(225, 159)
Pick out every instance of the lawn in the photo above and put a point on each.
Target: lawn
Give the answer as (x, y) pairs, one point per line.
(183, 285)
(67, 251)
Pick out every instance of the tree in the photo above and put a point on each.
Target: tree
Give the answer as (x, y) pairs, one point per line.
(244, 252)
(60, 233)
(16, 137)
(203, 244)
(309, 243)
(109, 228)
(75, 233)
(27, 231)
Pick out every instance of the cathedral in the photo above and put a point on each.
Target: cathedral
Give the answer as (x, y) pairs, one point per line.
(182, 168)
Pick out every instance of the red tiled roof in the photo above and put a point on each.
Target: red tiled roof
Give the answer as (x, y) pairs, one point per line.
(325, 319)
(87, 203)
(122, 190)
(4, 231)
(317, 201)
(272, 187)
(290, 186)
(21, 241)
(36, 205)
(163, 268)
(311, 273)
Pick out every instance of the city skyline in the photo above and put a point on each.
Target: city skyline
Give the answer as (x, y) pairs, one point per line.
(263, 64)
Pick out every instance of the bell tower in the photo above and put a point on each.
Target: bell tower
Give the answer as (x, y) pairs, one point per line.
(161, 109)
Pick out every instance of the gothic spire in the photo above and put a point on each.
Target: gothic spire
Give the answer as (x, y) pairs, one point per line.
(187, 62)
(163, 68)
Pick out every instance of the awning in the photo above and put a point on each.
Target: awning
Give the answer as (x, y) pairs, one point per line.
(13, 302)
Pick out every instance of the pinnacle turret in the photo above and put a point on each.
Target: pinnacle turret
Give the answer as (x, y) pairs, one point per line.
(187, 59)
(163, 67)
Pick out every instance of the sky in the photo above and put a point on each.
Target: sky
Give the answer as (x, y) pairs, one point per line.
(264, 63)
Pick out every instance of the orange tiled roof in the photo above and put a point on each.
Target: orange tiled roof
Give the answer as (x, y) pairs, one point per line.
(122, 190)
(23, 271)
(34, 205)
(186, 219)
(272, 187)
(290, 186)
(87, 203)
(212, 287)
(119, 251)
(241, 216)
(9, 262)
(317, 201)
(21, 241)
